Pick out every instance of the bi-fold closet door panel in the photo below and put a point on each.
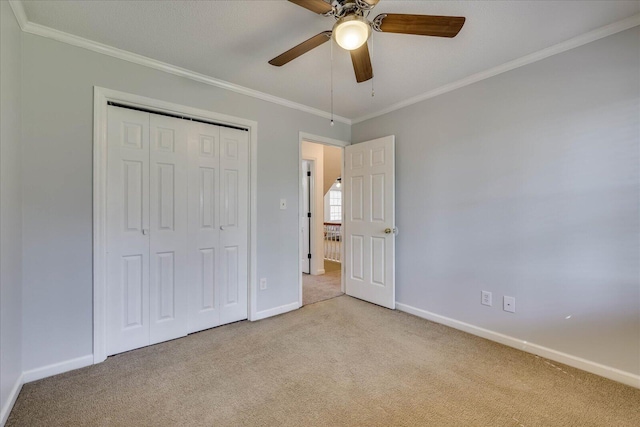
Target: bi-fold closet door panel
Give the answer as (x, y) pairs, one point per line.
(234, 198)
(204, 223)
(218, 224)
(168, 279)
(127, 230)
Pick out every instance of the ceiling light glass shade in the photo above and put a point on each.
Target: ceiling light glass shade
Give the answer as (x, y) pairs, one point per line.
(351, 32)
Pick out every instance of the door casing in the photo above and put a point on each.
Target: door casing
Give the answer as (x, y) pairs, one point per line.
(307, 208)
(101, 97)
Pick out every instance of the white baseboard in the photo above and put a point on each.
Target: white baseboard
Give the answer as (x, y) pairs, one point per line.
(13, 396)
(577, 362)
(277, 310)
(319, 272)
(57, 368)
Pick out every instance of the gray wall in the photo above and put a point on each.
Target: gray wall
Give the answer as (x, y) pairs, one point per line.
(332, 164)
(58, 82)
(10, 205)
(526, 184)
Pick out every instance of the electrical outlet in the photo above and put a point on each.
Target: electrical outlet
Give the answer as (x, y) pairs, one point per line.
(283, 204)
(509, 304)
(263, 284)
(486, 298)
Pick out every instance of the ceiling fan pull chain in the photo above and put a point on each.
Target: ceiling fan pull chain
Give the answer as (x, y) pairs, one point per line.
(331, 49)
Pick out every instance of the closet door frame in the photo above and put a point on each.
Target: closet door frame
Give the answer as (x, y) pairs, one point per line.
(101, 97)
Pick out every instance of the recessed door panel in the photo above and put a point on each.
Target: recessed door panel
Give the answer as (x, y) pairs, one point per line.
(230, 207)
(377, 260)
(231, 275)
(208, 143)
(166, 285)
(166, 196)
(133, 134)
(133, 196)
(357, 198)
(357, 160)
(377, 197)
(377, 156)
(357, 260)
(208, 196)
(133, 288)
(207, 278)
(230, 149)
(165, 140)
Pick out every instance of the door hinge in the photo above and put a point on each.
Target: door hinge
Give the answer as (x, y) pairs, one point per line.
(309, 256)
(309, 215)
(308, 173)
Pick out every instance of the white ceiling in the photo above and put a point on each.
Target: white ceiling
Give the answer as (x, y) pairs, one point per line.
(233, 40)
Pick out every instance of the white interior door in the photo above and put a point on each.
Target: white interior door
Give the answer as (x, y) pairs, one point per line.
(168, 228)
(369, 204)
(127, 230)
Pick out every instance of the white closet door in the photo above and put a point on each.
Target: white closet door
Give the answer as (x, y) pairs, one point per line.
(177, 227)
(234, 185)
(168, 224)
(127, 230)
(204, 223)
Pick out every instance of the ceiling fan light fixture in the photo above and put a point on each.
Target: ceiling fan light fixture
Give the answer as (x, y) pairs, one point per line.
(351, 32)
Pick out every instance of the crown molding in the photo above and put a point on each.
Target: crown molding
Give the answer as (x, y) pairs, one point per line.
(43, 31)
(61, 36)
(18, 11)
(574, 42)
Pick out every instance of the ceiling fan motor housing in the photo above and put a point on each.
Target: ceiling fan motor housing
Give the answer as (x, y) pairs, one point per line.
(351, 31)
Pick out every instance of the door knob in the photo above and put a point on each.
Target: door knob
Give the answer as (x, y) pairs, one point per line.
(387, 231)
(145, 231)
(222, 228)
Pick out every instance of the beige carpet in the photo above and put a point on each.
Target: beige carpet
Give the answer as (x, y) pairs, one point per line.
(341, 362)
(322, 287)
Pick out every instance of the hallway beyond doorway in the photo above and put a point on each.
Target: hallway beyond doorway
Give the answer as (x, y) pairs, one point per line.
(322, 287)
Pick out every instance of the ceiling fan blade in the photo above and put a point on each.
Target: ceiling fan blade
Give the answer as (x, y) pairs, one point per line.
(362, 63)
(301, 49)
(317, 6)
(422, 25)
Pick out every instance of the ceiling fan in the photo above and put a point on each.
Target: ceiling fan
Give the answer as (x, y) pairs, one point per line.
(352, 30)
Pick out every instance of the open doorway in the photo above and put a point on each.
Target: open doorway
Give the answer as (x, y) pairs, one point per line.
(321, 222)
